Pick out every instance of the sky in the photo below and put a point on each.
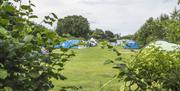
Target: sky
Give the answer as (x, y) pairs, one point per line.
(118, 16)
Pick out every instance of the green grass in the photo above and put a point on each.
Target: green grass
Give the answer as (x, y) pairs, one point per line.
(87, 70)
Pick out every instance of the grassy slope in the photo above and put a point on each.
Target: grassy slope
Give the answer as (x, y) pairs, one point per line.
(87, 70)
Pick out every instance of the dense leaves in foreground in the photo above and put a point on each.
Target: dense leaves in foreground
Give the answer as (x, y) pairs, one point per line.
(150, 69)
(23, 67)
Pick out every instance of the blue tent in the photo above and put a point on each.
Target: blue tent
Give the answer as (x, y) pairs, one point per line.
(68, 44)
(130, 44)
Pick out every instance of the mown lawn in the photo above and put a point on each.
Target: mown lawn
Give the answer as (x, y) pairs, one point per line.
(87, 70)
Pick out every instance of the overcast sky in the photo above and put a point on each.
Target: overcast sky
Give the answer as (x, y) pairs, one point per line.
(119, 16)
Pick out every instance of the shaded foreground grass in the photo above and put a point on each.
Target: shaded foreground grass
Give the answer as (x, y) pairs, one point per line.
(87, 70)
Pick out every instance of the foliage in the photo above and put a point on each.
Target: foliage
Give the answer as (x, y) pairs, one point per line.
(117, 36)
(127, 37)
(98, 34)
(152, 30)
(109, 34)
(151, 69)
(23, 67)
(173, 31)
(77, 26)
(164, 27)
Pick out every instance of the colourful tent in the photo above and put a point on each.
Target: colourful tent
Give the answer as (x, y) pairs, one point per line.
(130, 44)
(68, 44)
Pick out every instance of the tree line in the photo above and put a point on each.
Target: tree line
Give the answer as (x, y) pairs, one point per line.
(166, 27)
(78, 26)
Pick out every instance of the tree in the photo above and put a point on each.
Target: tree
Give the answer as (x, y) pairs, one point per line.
(109, 34)
(173, 31)
(77, 26)
(163, 17)
(98, 34)
(117, 36)
(175, 15)
(152, 30)
(129, 36)
(151, 69)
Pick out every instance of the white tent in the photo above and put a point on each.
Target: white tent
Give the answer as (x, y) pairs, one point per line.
(163, 45)
(119, 42)
(92, 42)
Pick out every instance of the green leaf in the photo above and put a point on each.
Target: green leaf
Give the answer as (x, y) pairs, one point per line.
(62, 77)
(33, 5)
(22, 13)
(30, 9)
(52, 19)
(3, 74)
(8, 7)
(4, 21)
(2, 31)
(28, 38)
(46, 17)
(48, 22)
(33, 16)
(54, 15)
(25, 7)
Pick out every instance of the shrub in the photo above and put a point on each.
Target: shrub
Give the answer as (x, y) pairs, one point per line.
(23, 67)
(151, 69)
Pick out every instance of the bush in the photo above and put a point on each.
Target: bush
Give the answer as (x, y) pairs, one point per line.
(23, 66)
(151, 69)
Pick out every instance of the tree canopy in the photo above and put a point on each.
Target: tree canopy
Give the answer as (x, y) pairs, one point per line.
(164, 27)
(76, 26)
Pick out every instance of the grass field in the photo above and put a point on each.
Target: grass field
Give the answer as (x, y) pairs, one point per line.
(87, 70)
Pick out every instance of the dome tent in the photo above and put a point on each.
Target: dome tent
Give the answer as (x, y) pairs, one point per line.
(69, 44)
(164, 45)
(130, 44)
(92, 42)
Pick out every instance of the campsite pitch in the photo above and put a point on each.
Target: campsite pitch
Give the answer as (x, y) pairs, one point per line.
(88, 72)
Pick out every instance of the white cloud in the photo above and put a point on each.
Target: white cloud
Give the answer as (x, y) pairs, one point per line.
(119, 16)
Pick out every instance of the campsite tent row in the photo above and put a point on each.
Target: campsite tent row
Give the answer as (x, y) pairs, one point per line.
(163, 45)
(127, 44)
(73, 44)
(68, 44)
